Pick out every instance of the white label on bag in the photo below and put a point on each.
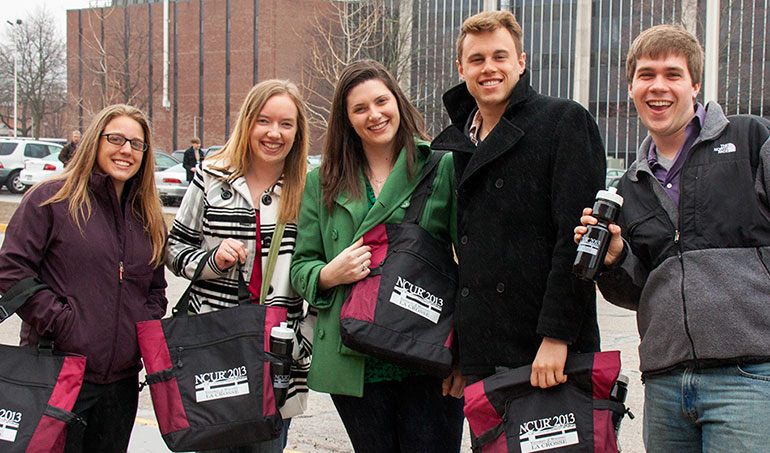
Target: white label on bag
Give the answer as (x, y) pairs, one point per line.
(417, 300)
(548, 433)
(214, 385)
(9, 424)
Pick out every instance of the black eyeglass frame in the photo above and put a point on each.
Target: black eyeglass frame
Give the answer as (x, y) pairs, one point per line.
(123, 139)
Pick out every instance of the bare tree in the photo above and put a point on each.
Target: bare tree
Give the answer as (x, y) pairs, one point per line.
(41, 74)
(117, 60)
(344, 32)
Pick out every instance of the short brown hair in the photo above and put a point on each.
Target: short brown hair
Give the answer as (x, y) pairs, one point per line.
(195, 141)
(490, 21)
(665, 40)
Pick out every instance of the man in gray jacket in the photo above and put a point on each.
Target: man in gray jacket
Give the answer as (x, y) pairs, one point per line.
(691, 254)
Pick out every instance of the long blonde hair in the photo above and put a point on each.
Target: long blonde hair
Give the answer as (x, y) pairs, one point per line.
(145, 205)
(237, 154)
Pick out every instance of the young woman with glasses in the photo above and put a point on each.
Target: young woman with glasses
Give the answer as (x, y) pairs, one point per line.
(237, 197)
(95, 234)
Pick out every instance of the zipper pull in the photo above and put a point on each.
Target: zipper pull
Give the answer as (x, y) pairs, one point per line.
(121, 272)
(676, 237)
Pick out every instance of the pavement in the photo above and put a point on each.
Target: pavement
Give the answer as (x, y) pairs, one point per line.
(320, 430)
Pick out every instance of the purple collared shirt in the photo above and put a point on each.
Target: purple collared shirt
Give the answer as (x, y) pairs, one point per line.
(669, 179)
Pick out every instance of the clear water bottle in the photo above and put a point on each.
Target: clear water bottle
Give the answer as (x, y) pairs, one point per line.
(281, 344)
(593, 246)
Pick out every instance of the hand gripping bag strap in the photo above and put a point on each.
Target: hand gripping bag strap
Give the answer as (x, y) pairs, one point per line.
(423, 190)
(272, 256)
(18, 295)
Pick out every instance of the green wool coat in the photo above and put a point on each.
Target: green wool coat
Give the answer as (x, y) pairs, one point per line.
(322, 235)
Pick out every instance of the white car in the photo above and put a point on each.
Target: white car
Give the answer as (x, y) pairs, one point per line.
(36, 170)
(13, 153)
(171, 184)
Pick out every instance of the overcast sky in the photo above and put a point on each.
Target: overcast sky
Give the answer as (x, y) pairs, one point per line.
(20, 9)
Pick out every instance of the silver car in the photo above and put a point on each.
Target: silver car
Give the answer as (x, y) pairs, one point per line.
(171, 184)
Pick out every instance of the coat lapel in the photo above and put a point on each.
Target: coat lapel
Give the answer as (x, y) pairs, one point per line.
(502, 138)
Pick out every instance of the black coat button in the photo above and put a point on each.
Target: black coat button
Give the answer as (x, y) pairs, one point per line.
(464, 240)
(499, 183)
(464, 292)
(500, 288)
(267, 199)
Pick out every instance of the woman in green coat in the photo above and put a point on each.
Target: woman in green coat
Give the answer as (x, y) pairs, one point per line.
(373, 156)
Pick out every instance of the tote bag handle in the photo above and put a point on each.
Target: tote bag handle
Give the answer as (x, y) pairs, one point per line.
(244, 297)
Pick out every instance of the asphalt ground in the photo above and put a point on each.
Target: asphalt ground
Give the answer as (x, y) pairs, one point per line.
(320, 429)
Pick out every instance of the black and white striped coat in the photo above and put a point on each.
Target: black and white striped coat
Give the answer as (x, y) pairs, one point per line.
(214, 209)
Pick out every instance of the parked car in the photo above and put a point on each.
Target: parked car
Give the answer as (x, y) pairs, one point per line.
(179, 154)
(612, 174)
(171, 184)
(163, 161)
(36, 170)
(13, 152)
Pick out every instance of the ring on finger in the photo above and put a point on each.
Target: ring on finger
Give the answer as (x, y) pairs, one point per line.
(363, 268)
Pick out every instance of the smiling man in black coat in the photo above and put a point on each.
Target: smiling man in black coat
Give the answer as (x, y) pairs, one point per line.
(526, 165)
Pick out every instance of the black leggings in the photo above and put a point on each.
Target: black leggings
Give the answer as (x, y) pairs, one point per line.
(109, 411)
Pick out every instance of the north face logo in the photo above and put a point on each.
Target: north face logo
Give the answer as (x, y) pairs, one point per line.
(725, 148)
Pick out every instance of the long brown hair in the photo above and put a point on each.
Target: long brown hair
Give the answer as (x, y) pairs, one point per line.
(343, 152)
(237, 154)
(145, 205)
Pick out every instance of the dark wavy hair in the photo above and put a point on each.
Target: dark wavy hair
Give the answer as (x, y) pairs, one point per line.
(343, 152)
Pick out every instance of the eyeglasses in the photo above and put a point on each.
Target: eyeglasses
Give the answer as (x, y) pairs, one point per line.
(119, 140)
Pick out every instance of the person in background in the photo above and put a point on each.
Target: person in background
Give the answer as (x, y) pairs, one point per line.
(525, 164)
(68, 150)
(192, 157)
(375, 150)
(236, 198)
(95, 234)
(691, 252)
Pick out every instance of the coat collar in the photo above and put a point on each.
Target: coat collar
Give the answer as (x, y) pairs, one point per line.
(396, 191)
(461, 105)
(239, 184)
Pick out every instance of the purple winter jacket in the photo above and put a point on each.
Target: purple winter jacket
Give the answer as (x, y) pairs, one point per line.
(92, 309)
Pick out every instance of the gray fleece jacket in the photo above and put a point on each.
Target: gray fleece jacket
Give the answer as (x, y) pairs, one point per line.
(698, 275)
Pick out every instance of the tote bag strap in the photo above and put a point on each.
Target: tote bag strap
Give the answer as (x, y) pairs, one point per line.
(423, 190)
(18, 294)
(272, 257)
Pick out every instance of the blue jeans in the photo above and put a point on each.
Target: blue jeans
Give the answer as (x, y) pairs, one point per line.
(407, 416)
(722, 409)
(269, 446)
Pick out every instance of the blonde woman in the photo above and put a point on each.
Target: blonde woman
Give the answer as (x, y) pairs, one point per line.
(95, 235)
(233, 204)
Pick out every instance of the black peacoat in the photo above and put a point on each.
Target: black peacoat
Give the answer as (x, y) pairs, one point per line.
(520, 194)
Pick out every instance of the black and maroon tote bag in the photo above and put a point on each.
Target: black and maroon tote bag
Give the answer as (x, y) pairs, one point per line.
(402, 311)
(507, 415)
(209, 374)
(38, 385)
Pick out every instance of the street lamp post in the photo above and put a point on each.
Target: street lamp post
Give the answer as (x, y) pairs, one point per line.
(15, 82)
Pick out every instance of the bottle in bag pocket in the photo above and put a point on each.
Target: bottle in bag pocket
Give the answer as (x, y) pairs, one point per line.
(281, 344)
(618, 393)
(593, 246)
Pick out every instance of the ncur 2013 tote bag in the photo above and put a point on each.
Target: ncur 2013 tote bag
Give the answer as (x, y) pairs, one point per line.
(507, 415)
(209, 374)
(38, 386)
(402, 311)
